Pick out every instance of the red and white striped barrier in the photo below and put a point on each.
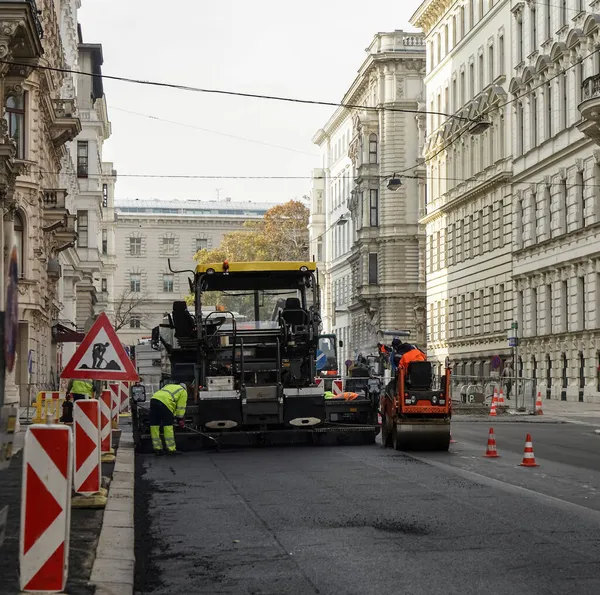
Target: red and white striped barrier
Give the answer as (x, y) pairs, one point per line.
(319, 381)
(124, 392)
(115, 395)
(105, 422)
(86, 425)
(46, 508)
(337, 388)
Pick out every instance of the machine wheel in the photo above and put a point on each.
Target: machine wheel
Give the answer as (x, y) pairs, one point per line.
(386, 435)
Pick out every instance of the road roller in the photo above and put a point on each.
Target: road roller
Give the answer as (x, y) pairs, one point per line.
(414, 415)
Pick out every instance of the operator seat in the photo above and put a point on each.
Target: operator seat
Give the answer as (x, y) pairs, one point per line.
(418, 376)
(293, 314)
(183, 321)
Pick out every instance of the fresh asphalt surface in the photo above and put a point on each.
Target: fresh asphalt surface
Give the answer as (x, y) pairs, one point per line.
(366, 520)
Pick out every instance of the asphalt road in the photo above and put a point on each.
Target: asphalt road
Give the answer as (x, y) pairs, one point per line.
(365, 520)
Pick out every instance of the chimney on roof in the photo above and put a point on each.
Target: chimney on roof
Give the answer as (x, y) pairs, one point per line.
(228, 199)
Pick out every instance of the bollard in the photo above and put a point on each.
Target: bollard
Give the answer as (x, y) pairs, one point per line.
(114, 388)
(88, 470)
(45, 508)
(108, 454)
(124, 392)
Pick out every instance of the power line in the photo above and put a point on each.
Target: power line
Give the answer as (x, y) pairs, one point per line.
(249, 140)
(233, 93)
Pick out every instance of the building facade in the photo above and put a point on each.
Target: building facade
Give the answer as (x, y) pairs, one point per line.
(519, 205)
(150, 232)
(469, 196)
(365, 236)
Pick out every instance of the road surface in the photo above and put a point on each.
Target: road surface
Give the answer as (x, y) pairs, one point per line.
(367, 520)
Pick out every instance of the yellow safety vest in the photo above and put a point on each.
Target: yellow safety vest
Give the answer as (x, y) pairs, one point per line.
(174, 397)
(82, 387)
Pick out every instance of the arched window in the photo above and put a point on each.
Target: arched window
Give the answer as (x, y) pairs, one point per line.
(15, 118)
(373, 148)
(19, 227)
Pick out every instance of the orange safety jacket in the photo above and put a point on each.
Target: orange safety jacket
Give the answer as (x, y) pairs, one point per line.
(414, 355)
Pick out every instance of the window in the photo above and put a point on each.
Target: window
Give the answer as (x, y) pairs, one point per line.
(563, 13)
(82, 159)
(471, 13)
(104, 285)
(454, 96)
(135, 321)
(168, 245)
(374, 208)
(104, 242)
(15, 118)
(534, 120)
(480, 9)
(548, 19)
(520, 129)
(564, 306)
(453, 30)
(105, 195)
(481, 76)
(168, 283)
(549, 109)
(534, 42)
(581, 78)
(439, 48)
(82, 229)
(18, 229)
(135, 246)
(580, 190)
(519, 40)
(446, 40)
(581, 303)
(471, 80)
(534, 312)
(201, 244)
(373, 274)
(463, 28)
(319, 250)
(135, 282)
(565, 101)
(373, 148)
(548, 310)
(463, 88)
(491, 63)
(501, 54)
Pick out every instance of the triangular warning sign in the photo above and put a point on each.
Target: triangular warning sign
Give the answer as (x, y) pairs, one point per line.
(100, 356)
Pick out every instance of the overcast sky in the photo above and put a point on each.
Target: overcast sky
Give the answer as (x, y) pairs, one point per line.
(310, 49)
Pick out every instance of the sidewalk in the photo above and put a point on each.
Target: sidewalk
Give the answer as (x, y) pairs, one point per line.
(86, 525)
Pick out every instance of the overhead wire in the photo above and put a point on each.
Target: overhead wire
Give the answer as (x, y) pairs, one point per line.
(230, 93)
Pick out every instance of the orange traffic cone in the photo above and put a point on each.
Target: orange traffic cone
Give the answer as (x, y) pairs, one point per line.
(491, 452)
(528, 456)
(493, 409)
(538, 405)
(501, 399)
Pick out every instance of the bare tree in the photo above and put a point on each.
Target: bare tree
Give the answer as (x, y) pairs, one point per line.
(128, 305)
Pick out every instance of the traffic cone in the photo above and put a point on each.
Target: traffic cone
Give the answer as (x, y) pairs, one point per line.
(538, 404)
(493, 409)
(491, 452)
(528, 456)
(501, 402)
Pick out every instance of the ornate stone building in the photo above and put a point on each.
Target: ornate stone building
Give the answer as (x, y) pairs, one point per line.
(365, 235)
(37, 122)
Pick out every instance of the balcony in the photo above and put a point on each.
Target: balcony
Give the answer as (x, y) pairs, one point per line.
(590, 108)
(20, 36)
(64, 126)
(57, 219)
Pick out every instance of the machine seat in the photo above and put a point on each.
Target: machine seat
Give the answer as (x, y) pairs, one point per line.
(418, 376)
(183, 321)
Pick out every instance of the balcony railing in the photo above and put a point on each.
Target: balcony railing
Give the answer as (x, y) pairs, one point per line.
(54, 199)
(35, 13)
(413, 40)
(591, 87)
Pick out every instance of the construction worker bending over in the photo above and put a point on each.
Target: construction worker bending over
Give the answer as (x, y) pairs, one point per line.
(167, 406)
(406, 353)
(81, 389)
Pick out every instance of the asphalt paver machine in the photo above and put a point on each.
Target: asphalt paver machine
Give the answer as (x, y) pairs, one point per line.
(254, 365)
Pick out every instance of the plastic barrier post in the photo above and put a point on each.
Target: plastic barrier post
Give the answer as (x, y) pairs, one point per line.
(46, 508)
(106, 427)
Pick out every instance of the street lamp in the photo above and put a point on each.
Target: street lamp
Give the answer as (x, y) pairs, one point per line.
(394, 183)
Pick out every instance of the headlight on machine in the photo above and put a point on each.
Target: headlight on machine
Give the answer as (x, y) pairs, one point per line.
(434, 400)
(414, 400)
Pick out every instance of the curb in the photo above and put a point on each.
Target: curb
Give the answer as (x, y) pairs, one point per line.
(113, 570)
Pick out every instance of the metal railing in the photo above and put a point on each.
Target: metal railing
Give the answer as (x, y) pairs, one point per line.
(35, 13)
(480, 389)
(591, 87)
